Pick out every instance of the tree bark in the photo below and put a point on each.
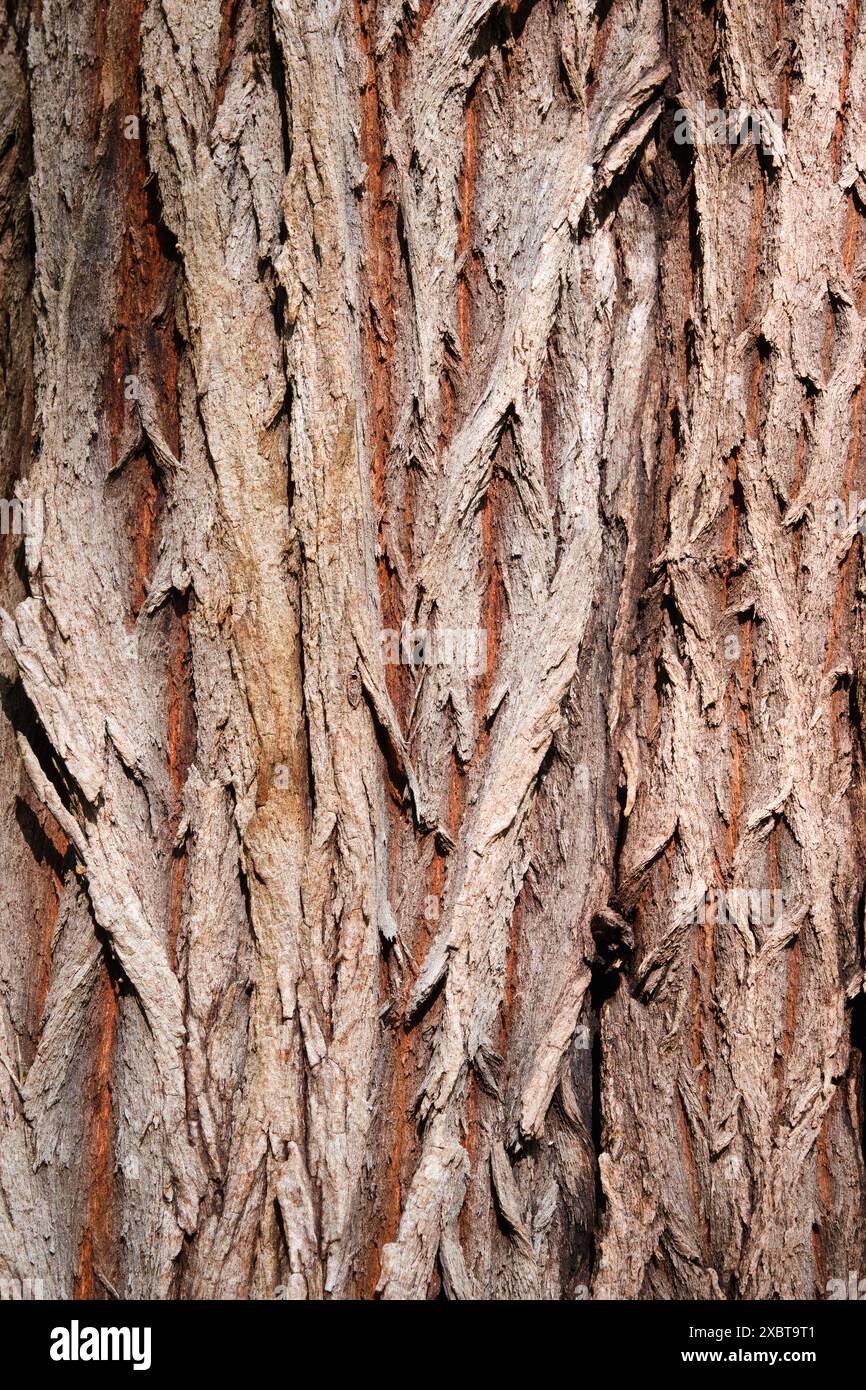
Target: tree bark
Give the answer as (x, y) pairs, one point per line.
(433, 663)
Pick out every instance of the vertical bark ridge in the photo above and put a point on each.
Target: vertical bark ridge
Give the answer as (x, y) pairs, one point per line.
(778, 986)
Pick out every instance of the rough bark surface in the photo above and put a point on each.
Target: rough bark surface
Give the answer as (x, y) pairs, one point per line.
(325, 971)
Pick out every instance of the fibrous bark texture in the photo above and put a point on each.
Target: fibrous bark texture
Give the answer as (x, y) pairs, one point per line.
(432, 790)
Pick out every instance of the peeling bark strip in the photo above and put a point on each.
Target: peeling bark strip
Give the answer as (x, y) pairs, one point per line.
(433, 648)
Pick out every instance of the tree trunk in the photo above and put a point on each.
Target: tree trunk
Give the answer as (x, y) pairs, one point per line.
(433, 778)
